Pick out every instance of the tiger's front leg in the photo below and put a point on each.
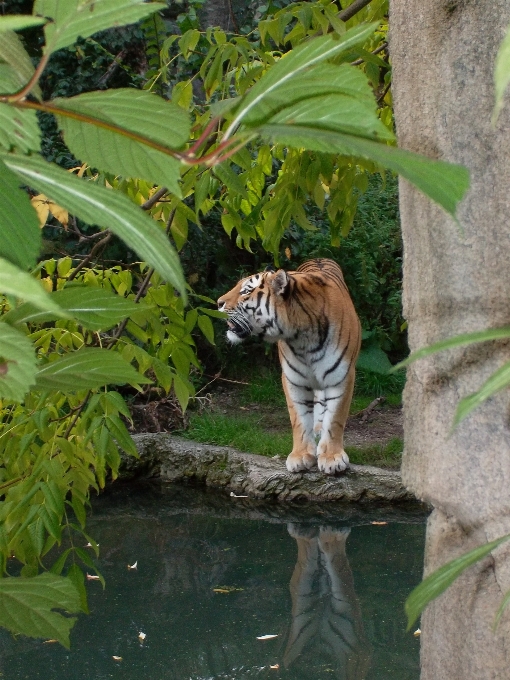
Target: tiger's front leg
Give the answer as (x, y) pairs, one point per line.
(300, 406)
(331, 456)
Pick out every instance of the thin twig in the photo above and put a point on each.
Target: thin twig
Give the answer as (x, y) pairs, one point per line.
(381, 97)
(376, 51)
(90, 256)
(365, 412)
(141, 292)
(353, 9)
(154, 198)
(112, 68)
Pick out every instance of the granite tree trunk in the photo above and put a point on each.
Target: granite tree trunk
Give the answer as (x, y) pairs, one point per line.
(457, 280)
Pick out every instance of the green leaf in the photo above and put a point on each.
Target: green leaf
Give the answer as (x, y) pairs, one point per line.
(119, 432)
(437, 582)
(501, 608)
(445, 183)
(15, 22)
(231, 179)
(319, 80)
(373, 359)
(80, 18)
(205, 325)
(498, 380)
(502, 73)
(77, 578)
(17, 364)
(293, 63)
(13, 53)
(337, 112)
(19, 284)
(26, 606)
(106, 208)
(181, 391)
(135, 111)
(87, 368)
(20, 236)
(456, 341)
(94, 308)
(19, 128)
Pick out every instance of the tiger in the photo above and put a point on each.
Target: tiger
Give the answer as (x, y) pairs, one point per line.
(327, 623)
(310, 314)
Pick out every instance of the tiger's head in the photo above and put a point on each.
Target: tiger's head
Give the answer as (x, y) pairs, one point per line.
(256, 306)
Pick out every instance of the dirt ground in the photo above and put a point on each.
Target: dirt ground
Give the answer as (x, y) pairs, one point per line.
(379, 426)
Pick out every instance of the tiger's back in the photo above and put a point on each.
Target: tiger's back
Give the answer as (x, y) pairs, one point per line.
(310, 314)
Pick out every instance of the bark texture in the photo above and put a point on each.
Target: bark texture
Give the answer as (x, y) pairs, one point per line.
(455, 282)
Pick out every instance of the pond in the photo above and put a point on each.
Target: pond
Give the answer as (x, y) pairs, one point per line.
(214, 574)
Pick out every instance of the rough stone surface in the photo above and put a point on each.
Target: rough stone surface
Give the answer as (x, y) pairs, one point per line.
(457, 281)
(173, 459)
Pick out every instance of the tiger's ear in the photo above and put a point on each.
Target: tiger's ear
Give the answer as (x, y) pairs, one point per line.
(281, 283)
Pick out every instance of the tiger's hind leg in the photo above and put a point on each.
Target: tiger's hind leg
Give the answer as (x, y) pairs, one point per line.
(300, 405)
(331, 456)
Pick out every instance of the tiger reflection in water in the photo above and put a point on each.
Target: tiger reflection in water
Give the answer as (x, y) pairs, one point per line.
(327, 629)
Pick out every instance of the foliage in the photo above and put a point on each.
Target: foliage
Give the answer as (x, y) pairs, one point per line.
(308, 110)
(437, 582)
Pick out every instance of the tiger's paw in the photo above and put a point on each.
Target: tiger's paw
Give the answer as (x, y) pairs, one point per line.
(297, 462)
(333, 463)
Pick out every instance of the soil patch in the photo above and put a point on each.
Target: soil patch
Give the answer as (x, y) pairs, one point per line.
(379, 426)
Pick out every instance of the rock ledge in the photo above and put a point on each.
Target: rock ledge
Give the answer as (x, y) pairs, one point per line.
(172, 459)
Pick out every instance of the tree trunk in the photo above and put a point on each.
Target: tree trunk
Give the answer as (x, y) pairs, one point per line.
(457, 281)
(218, 13)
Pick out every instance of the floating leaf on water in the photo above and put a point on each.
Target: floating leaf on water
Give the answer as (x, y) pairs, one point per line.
(275, 667)
(417, 632)
(226, 589)
(233, 495)
(116, 658)
(379, 524)
(89, 545)
(141, 636)
(133, 566)
(49, 642)
(92, 577)
(266, 637)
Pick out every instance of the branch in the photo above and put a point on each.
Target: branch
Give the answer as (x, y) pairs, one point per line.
(353, 9)
(376, 51)
(154, 198)
(89, 257)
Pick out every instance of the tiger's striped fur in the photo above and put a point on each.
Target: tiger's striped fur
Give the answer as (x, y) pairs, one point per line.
(310, 314)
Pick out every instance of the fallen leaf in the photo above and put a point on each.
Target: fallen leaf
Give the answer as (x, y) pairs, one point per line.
(379, 524)
(141, 636)
(275, 667)
(417, 632)
(266, 637)
(226, 589)
(92, 577)
(133, 566)
(117, 658)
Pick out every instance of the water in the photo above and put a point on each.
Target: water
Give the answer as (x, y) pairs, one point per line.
(324, 579)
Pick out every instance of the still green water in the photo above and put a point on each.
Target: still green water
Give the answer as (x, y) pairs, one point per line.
(328, 583)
